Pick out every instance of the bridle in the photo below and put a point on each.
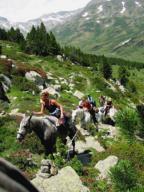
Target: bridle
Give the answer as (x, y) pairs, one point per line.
(21, 134)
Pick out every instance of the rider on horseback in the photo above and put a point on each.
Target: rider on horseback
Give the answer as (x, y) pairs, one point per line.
(87, 104)
(54, 108)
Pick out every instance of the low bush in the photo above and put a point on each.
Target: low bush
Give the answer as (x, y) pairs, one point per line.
(131, 87)
(123, 176)
(127, 119)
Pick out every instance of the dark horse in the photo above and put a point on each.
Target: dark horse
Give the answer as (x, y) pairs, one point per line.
(12, 179)
(46, 131)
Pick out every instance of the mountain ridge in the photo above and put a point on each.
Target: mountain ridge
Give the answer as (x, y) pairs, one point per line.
(50, 20)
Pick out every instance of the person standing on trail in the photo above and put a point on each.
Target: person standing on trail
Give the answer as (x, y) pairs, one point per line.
(53, 107)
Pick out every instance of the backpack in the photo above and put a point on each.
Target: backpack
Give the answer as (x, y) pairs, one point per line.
(92, 101)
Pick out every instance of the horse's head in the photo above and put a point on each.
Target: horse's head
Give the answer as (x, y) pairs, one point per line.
(24, 128)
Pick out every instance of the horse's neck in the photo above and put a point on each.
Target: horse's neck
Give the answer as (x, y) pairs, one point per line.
(36, 125)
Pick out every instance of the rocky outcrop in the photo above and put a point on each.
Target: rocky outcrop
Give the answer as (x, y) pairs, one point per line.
(104, 166)
(67, 180)
(90, 142)
(109, 130)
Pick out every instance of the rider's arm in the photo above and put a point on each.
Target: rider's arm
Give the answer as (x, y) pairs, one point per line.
(59, 106)
(41, 112)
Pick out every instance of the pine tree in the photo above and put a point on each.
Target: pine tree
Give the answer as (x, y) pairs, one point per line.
(15, 35)
(105, 68)
(3, 34)
(123, 75)
(41, 41)
(54, 46)
(31, 41)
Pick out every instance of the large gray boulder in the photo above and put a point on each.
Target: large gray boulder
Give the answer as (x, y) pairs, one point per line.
(67, 180)
(35, 77)
(103, 166)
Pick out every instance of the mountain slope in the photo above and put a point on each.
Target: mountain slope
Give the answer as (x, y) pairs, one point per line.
(103, 26)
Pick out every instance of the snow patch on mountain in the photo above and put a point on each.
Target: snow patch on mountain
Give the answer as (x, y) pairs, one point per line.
(107, 25)
(98, 21)
(85, 14)
(122, 43)
(100, 9)
(123, 9)
(87, 18)
(125, 42)
(138, 3)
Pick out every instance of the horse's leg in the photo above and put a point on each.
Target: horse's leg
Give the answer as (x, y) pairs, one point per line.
(72, 135)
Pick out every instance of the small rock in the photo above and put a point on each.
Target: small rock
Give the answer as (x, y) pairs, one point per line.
(46, 162)
(45, 169)
(60, 58)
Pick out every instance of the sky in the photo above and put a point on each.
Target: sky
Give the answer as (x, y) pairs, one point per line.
(23, 10)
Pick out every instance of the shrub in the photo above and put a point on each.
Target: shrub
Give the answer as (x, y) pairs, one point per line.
(24, 85)
(131, 87)
(140, 110)
(76, 165)
(123, 176)
(123, 75)
(60, 157)
(127, 120)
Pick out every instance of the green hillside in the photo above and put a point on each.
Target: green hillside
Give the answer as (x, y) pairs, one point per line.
(88, 81)
(109, 31)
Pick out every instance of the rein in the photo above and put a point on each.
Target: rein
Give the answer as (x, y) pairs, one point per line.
(22, 135)
(29, 120)
(68, 155)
